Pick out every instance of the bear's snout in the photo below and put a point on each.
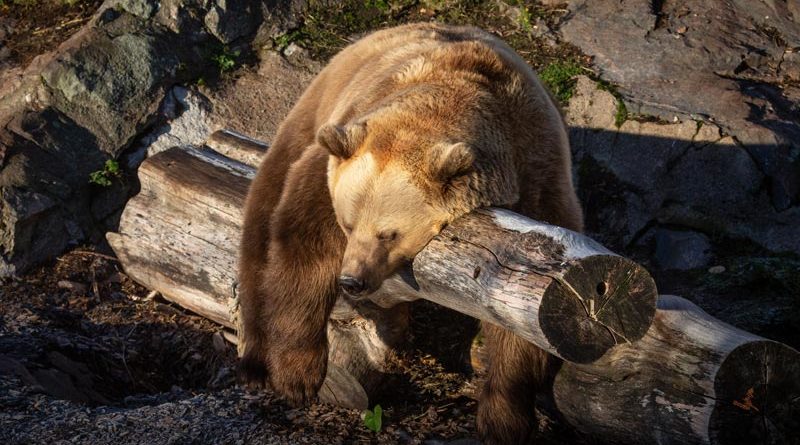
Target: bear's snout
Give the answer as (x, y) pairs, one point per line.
(352, 286)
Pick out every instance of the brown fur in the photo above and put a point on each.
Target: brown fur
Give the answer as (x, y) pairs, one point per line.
(447, 117)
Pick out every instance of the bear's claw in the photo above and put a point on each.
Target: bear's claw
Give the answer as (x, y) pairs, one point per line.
(294, 374)
(297, 374)
(253, 372)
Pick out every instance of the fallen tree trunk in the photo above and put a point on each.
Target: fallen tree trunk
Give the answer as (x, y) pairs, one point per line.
(551, 286)
(692, 379)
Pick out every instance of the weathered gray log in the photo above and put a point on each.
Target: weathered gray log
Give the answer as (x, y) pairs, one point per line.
(238, 147)
(692, 379)
(551, 286)
(180, 234)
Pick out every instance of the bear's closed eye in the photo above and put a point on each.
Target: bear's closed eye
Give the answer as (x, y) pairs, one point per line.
(387, 235)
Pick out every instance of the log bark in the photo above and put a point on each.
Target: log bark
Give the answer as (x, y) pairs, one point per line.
(692, 379)
(551, 286)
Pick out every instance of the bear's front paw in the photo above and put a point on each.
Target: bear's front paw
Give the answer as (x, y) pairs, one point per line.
(499, 422)
(253, 370)
(297, 374)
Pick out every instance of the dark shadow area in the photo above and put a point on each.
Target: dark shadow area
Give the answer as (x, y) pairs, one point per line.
(443, 333)
(702, 218)
(72, 330)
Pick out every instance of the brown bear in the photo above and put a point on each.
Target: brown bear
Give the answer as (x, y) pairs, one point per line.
(403, 131)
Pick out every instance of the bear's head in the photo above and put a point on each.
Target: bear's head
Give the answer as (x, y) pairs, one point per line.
(392, 190)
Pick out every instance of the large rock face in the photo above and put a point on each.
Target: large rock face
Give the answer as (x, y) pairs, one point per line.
(640, 175)
(711, 69)
(70, 110)
(734, 63)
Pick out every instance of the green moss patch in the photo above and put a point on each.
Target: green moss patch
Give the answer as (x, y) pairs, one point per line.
(560, 78)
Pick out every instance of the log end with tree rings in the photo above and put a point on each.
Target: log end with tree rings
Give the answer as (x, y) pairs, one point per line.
(757, 396)
(599, 301)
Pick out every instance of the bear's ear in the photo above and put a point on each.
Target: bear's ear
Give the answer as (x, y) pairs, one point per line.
(449, 161)
(341, 141)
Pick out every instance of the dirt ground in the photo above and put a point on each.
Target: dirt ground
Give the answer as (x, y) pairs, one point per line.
(89, 356)
(33, 27)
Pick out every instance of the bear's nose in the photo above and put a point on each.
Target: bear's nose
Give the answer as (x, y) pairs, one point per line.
(352, 285)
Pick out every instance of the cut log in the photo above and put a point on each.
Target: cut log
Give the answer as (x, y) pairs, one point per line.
(551, 286)
(692, 379)
(180, 234)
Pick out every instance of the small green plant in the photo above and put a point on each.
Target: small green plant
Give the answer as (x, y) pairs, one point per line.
(103, 177)
(373, 419)
(560, 78)
(524, 18)
(284, 40)
(226, 60)
(622, 113)
(381, 5)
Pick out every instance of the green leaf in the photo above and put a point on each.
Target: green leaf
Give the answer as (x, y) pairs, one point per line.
(103, 177)
(112, 167)
(373, 419)
(226, 59)
(99, 178)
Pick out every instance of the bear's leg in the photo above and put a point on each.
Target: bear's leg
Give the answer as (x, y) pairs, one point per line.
(298, 286)
(262, 198)
(517, 371)
(300, 299)
(252, 261)
(292, 355)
